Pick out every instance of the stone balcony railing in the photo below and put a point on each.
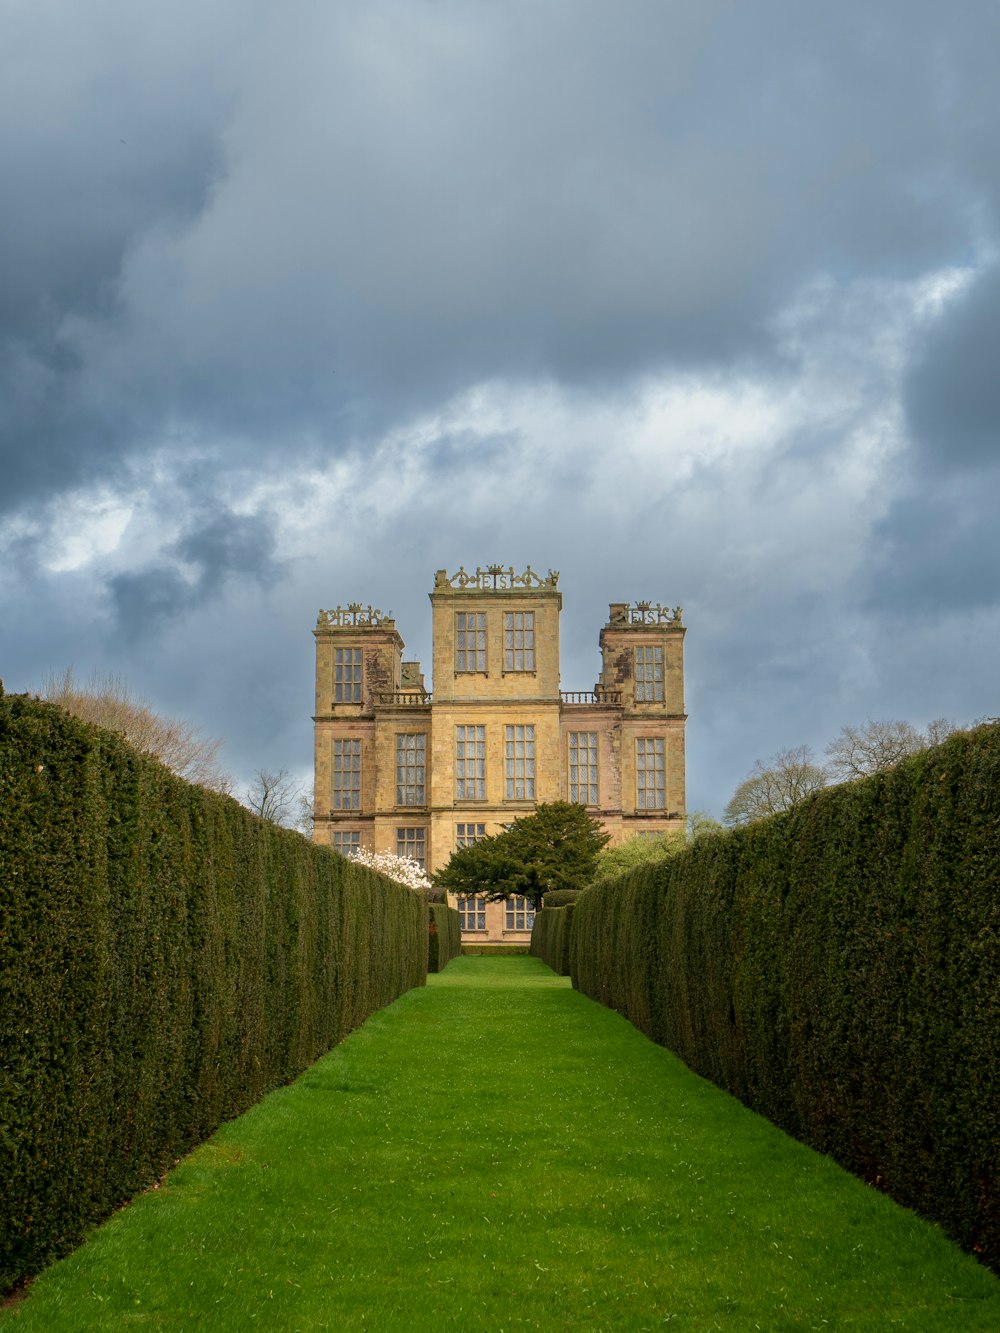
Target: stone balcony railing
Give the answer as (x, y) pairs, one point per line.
(610, 698)
(422, 698)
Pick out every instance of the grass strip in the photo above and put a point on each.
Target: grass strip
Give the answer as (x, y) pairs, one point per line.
(497, 1152)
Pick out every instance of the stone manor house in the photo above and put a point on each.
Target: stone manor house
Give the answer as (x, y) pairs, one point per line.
(402, 769)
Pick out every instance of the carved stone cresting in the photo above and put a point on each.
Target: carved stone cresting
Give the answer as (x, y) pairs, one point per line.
(353, 614)
(495, 578)
(646, 613)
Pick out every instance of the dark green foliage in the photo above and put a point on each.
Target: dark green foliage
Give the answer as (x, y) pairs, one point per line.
(444, 940)
(838, 969)
(555, 848)
(550, 936)
(165, 959)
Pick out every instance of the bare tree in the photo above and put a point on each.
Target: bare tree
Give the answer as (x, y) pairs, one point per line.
(106, 701)
(860, 751)
(305, 812)
(788, 777)
(940, 729)
(274, 797)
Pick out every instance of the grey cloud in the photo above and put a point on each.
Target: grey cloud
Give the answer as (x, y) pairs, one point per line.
(937, 550)
(228, 543)
(350, 214)
(952, 394)
(328, 218)
(147, 597)
(224, 545)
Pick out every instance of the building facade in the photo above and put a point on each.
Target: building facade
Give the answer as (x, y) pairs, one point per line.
(421, 772)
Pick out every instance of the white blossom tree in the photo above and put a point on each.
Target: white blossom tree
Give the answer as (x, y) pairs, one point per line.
(400, 868)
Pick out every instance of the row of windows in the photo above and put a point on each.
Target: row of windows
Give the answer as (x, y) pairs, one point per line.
(519, 768)
(518, 655)
(518, 914)
(518, 641)
(411, 842)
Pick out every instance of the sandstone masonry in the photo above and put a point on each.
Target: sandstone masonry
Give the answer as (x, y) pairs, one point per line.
(402, 769)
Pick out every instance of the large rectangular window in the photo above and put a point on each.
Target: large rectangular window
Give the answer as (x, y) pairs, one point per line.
(346, 841)
(470, 763)
(410, 768)
(347, 675)
(649, 674)
(518, 914)
(519, 641)
(649, 771)
(583, 767)
(520, 763)
(412, 843)
(470, 640)
(472, 913)
(347, 775)
(467, 835)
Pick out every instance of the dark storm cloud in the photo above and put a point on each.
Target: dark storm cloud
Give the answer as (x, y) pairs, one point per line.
(230, 544)
(96, 149)
(143, 599)
(241, 242)
(322, 221)
(952, 394)
(225, 545)
(938, 548)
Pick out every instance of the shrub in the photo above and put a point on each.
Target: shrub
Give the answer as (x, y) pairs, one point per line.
(837, 967)
(560, 897)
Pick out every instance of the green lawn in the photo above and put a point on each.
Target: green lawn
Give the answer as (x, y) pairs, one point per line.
(497, 1152)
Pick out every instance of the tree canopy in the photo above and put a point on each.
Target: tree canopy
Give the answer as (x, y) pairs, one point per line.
(554, 848)
(636, 851)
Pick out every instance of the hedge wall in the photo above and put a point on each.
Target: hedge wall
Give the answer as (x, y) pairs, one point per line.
(838, 969)
(445, 936)
(550, 937)
(165, 959)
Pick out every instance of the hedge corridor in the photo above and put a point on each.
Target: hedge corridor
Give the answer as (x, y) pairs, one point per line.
(444, 936)
(550, 937)
(837, 968)
(165, 959)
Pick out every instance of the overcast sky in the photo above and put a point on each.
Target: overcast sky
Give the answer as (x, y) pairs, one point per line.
(695, 302)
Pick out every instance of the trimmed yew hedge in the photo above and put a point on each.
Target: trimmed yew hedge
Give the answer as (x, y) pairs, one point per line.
(560, 897)
(837, 968)
(445, 936)
(550, 936)
(165, 959)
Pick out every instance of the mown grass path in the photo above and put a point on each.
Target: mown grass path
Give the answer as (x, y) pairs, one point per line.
(497, 1152)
